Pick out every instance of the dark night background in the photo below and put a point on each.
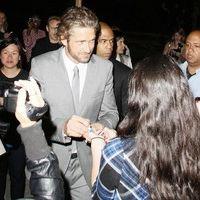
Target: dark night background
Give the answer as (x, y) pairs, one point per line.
(147, 24)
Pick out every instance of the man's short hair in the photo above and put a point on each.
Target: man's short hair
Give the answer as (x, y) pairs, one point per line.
(77, 17)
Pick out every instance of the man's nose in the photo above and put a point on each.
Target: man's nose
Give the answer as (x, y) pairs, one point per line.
(190, 48)
(10, 55)
(87, 47)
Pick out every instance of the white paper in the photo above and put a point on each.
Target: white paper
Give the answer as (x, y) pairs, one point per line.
(2, 149)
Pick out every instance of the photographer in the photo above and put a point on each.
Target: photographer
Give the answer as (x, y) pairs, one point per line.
(14, 159)
(46, 181)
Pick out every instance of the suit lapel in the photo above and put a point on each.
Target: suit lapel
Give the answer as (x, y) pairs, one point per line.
(64, 79)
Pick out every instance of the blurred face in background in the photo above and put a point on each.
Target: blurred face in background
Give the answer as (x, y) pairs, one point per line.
(52, 30)
(10, 56)
(2, 20)
(178, 37)
(105, 42)
(121, 46)
(34, 22)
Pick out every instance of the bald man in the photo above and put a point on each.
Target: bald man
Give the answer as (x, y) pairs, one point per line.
(191, 68)
(104, 49)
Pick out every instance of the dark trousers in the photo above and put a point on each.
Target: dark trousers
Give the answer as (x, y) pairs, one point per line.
(14, 162)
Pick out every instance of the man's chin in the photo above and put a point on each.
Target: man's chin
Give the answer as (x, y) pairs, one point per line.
(86, 60)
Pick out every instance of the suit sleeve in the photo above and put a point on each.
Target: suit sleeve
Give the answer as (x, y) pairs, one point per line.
(53, 129)
(108, 115)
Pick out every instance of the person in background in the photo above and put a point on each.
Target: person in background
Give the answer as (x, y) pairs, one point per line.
(122, 52)
(78, 86)
(3, 26)
(31, 34)
(104, 49)
(175, 47)
(191, 67)
(51, 41)
(156, 153)
(14, 159)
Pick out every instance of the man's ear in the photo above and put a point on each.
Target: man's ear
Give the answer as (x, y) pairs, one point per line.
(63, 41)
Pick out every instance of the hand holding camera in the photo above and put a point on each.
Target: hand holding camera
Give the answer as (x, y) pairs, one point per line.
(30, 105)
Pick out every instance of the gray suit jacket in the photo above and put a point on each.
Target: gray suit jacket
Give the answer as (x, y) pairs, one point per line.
(97, 101)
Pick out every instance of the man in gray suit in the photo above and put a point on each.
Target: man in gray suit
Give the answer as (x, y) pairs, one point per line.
(73, 116)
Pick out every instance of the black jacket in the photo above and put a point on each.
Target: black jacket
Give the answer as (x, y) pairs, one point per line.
(46, 182)
(120, 80)
(44, 45)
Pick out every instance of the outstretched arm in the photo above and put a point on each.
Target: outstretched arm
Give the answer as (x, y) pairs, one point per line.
(46, 181)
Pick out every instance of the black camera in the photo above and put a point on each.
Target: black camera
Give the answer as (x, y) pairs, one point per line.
(10, 100)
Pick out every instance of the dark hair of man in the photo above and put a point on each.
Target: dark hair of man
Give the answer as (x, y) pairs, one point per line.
(77, 17)
(52, 18)
(118, 34)
(12, 40)
(165, 122)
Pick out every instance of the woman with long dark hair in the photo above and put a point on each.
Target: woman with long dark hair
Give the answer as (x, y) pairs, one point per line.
(158, 148)
(156, 154)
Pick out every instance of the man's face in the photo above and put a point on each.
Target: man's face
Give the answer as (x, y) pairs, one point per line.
(192, 48)
(120, 46)
(52, 30)
(80, 44)
(105, 43)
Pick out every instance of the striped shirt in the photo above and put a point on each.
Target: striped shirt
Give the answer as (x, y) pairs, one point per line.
(118, 177)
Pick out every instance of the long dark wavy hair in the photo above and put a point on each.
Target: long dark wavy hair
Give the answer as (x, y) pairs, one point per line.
(165, 123)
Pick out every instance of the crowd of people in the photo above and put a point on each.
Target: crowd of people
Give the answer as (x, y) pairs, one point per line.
(113, 130)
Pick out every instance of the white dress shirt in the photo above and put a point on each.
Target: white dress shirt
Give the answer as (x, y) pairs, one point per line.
(69, 65)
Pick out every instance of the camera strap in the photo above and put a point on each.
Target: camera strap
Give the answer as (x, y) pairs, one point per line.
(35, 113)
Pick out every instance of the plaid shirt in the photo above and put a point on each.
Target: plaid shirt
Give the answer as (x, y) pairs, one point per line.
(118, 177)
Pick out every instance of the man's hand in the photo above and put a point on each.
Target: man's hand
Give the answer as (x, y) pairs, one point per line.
(76, 126)
(102, 133)
(97, 127)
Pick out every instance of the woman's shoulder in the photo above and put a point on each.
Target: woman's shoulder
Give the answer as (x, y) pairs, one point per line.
(119, 145)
